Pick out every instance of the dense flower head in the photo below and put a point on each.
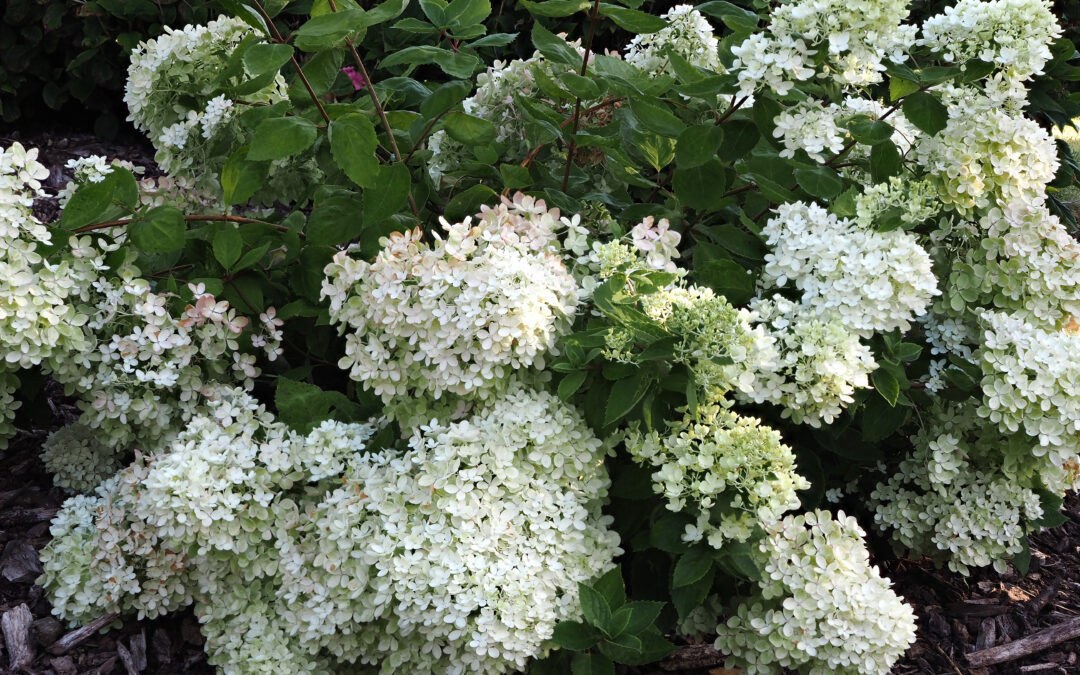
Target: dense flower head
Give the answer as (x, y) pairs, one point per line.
(731, 471)
(821, 363)
(870, 281)
(1031, 382)
(914, 200)
(858, 37)
(1015, 35)
(170, 82)
(987, 155)
(462, 551)
(821, 609)
(956, 498)
(688, 34)
(145, 365)
(77, 459)
(716, 341)
(38, 313)
(459, 314)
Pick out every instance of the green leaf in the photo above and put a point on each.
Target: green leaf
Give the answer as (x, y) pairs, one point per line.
(734, 17)
(737, 241)
(461, 13)
(700, 187)
(552, 46)
(698, 144)
(334, 221)
(886, 385)
(594, 606)
(820, 181)
(642, 614)
(631, 19)
(1051, 503)
(515, 176)
(228, 245)
(687, 598)
(728, 278)
(493, 40)
(625, 395)
(655, 117)
(453, 64)
(908, 351)
(691, 567)
(1022, 560)
(871, 132)
(92, 200)
(352, 143)
(611, 586)
(299, 404)
(574, 635)
(885, 161)
(899, 88)
(162, 230)
(445, 97)
(469, 130)
(328, 30)
(390, 194)
(241, 178)
(468, 203)
(265, 58)
(591, 664)
(251, 257)
(571, 383)
(556, 8)
(281, 137)
(880, 419)
(926, 112)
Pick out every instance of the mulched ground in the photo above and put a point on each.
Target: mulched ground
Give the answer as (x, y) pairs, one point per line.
(957, 615)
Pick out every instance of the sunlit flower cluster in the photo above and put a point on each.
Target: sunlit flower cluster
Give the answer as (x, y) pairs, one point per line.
(1015, 35)
(870, 281)
(688, 34)
(733, 471)
(456, 315)
(858, 36)
(821, 609)
(991, 157)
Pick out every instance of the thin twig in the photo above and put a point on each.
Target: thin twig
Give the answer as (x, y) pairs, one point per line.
(370, 86)
(594, 18)
(296, 64)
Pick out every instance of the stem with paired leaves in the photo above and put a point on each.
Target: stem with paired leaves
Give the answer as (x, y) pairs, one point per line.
(369, 85)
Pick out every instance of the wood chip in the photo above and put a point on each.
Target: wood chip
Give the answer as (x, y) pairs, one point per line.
(987, 634)
(1044, 597)
(1039, 668)
(16, 626)
(19, 561)
(125, 658)
(18, 516)
(78, 635)
(137, 644)
(692, 656)
(63, 665)
(1032, 644)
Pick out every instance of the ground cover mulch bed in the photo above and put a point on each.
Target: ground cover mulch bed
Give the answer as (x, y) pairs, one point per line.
(958, 616)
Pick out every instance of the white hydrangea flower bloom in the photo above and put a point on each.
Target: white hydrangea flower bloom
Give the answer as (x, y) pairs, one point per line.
(1015, 35)
(716, 460)
(77, 459)
(459, 315)
(821, 364)
(858, 35)
(822, 608)
(869, 281)
(688, 34)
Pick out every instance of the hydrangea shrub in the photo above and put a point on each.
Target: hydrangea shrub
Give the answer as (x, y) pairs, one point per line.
(491, 364)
